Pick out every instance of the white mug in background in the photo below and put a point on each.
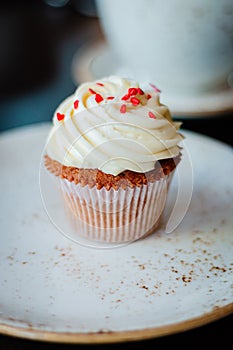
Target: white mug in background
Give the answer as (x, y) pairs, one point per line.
(183, 46)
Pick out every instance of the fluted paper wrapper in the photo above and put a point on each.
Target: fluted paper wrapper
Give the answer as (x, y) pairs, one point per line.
(113, 216)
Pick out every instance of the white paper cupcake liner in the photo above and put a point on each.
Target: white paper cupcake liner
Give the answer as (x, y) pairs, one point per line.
(113, 216)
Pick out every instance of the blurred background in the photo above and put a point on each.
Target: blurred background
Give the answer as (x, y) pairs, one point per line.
(49, 47)
(38, 42)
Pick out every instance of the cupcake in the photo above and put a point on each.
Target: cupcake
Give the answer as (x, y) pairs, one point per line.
(113, 149)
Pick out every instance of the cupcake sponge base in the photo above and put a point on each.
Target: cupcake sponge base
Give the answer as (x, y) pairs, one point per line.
(107, 208)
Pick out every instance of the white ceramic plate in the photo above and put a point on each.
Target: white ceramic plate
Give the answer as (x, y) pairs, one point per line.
(54, 289)
(97, 61)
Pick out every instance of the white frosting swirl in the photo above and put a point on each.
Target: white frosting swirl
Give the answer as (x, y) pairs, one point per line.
(101, 134)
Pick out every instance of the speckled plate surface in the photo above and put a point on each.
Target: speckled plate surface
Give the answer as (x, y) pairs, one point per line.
(54, 289)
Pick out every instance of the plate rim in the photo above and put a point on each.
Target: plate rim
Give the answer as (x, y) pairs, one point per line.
(111, 336)
(106, 337)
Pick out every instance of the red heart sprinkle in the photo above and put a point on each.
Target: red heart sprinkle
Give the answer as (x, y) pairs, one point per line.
(140, 91)
(98, 98)
(110, 98)
(92, 91)
(125, 97)
(76, 103)
(123, 109)
(135, 101)
(148, 96)
(60, 116)
(151, 115)
(100, 84)
(132, 91)
(155, 88)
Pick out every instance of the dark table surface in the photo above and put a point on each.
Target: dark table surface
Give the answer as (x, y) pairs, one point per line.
(39, 42)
